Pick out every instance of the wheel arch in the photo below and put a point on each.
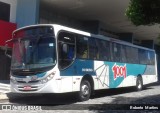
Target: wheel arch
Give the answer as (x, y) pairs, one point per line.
(139, 77)
(89, 78)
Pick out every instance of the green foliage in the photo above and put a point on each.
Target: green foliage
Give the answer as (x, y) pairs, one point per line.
(143, 12)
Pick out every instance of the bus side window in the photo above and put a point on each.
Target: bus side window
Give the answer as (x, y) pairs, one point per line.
(93, 50)
(66, 49)
(116, 52)
(151, 57)
(123, 53)
(134, 55)
(111, 52)
(82, 47)
(128, 54)
(70, 52)
(143, 56)
(103, 50)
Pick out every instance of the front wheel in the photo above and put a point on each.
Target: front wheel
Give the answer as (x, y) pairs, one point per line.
(85, 91)
(139, 84)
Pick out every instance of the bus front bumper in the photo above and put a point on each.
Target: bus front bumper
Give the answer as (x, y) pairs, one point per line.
(51, 86)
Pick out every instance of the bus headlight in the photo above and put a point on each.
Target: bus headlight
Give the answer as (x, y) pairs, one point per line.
(13, 79)
(48, 78)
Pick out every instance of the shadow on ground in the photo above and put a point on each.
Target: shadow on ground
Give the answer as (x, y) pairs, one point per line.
(42, 99)
(118, 106)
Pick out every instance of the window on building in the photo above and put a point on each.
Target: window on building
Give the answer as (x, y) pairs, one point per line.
(4, 11)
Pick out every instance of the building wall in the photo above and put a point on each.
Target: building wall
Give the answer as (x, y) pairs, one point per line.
(7, 25)
(13, 8)
(27, 12)
(47, 16)
(6, 29)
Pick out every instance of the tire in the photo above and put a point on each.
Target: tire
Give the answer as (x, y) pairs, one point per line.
(139, 83)
(85, 91)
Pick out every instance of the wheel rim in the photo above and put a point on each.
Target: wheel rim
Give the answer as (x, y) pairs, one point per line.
(139, 84)
(85, 90)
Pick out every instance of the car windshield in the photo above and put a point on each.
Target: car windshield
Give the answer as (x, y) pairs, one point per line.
(32, 53)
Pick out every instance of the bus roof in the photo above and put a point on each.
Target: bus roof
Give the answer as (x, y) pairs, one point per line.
(58, 27)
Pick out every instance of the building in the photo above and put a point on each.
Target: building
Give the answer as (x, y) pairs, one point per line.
(104, 17)
(7, 25)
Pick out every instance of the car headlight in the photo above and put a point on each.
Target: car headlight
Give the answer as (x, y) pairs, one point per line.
(48, 78)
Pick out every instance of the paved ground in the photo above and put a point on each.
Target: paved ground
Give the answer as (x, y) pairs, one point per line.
(4, 88)
(122, 98)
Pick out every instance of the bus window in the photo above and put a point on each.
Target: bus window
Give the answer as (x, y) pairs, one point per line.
(92, 49)
(128, 54)
(151, 57)
(82, 47)
(142, 56)
(123, 53)
(66, 49)
(116, 52)
(103, 50)
(134, 55)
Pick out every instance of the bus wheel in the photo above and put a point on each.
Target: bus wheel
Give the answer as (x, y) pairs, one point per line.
(139, 84)
(85, 91)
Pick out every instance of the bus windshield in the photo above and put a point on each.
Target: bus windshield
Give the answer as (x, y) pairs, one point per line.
(33, 53)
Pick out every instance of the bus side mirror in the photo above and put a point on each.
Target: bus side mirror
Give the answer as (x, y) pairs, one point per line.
(6, 51)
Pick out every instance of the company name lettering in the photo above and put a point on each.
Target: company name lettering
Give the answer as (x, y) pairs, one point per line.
(119, 71)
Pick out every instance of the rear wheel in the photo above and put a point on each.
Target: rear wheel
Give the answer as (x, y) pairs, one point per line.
(85, 91)
(139, 84)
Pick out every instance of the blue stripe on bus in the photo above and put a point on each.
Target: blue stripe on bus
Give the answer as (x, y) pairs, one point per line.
(78, 68)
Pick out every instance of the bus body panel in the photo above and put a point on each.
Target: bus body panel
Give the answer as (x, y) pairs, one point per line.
(110, 74)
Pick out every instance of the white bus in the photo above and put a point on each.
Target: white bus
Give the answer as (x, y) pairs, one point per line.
(56, 59)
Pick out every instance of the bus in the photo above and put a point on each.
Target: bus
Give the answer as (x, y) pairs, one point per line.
(51, 58)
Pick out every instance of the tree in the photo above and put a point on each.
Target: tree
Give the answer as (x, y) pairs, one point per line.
(143, 12)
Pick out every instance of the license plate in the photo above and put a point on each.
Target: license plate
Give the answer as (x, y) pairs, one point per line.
(27, 88)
